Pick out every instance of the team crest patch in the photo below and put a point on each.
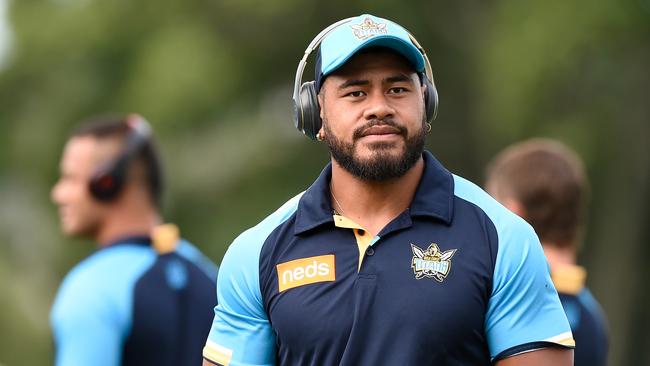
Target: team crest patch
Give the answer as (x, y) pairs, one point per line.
(368, 28)
(431, 263)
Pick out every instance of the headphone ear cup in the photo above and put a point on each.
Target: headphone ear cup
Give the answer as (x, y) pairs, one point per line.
(430, 99)
(105, 186)
(308, 110)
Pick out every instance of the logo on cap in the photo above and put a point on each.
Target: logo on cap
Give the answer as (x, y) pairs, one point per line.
(368, 28)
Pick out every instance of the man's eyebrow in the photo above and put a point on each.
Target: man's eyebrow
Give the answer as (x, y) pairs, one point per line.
(397, 79)
(353, 82)
(360, 82)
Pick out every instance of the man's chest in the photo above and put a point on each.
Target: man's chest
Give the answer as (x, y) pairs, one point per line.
(423, 288)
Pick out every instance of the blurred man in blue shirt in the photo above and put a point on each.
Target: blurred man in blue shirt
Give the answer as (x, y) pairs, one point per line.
(145, 297)
(544, 182)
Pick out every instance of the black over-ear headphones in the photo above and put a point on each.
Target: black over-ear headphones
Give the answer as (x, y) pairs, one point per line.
(306, 114)
(107, 182)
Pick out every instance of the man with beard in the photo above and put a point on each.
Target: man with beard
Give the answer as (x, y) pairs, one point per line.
(387, 259)
(145, 296)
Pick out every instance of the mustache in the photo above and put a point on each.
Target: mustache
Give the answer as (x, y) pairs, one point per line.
(358, 132)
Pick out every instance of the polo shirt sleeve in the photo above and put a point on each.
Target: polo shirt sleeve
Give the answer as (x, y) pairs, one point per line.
(524, 311)
(241, 333)
(85, 339)
(92, 313)
(85, 329)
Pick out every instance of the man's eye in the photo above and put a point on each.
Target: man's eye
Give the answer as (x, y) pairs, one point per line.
(355, 94)
(397, 90)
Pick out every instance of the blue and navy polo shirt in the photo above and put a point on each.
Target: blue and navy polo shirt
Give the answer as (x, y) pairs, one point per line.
(128, 305)
(456, 279)
(586, 317)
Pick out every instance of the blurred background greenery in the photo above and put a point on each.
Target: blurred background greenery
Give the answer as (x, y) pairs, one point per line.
(215, 79)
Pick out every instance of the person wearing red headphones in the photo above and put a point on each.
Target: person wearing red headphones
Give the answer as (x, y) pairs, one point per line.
(145, 296)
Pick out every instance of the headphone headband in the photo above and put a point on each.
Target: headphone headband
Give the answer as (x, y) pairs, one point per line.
(312, 46)
(108, 181)
(139, 133)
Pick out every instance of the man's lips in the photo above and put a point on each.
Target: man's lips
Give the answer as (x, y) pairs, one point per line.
(380, 130)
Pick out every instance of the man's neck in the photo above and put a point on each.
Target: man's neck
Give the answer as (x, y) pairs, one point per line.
(559, 256)
(128, 223)
(567, 277)
(373, 204)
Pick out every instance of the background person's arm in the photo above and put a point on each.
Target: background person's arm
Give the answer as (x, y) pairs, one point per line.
(88, 342)
(85, 333)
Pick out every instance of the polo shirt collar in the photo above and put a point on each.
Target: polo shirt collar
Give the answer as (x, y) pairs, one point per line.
(435, 194)
(143, 240)
(433, 197)
(315, 206)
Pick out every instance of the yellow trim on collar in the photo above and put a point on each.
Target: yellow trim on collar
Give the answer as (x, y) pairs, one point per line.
(363, 242)
(344, 222)
(569, 279)
(165, 238)
(360, 234)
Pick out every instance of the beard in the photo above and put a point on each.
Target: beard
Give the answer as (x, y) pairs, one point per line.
(381, 165)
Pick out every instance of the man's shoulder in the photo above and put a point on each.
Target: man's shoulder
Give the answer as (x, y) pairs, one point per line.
(254, 237)
(101, 284)
(194, 255)
(592, 306)
(106, 269)
(105, 260)
(502, 218)
(238, 279)
(244, 252)
(589, 325)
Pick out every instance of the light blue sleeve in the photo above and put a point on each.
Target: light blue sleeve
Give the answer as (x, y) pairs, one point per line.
(524, 311)
(84, 333)
(91, 315)
(524, 308)
(241, 333)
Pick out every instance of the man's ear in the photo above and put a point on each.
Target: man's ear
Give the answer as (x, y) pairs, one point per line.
(320, 105)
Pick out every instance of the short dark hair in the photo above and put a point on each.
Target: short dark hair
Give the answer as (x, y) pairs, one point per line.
(105, 127)
(548, 180)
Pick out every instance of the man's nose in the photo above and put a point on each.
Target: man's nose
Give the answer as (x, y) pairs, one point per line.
(378, 106)
(55, 193)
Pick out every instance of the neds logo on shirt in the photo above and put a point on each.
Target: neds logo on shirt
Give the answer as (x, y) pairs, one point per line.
(305, 271)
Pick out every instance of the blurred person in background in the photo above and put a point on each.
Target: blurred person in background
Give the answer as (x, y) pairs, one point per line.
(544, 182)
(145, 296)
(388, 258)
